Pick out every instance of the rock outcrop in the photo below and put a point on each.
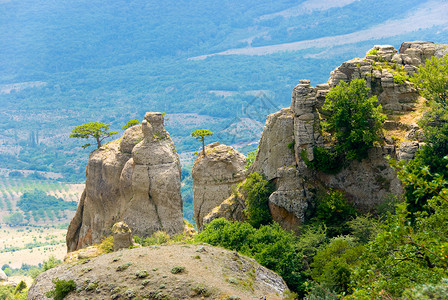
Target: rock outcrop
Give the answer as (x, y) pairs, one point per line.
(165, 272)
(135, 180)
(291, 134)
(214, 176)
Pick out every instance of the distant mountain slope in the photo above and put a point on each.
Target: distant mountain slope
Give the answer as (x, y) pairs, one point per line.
(112, 61)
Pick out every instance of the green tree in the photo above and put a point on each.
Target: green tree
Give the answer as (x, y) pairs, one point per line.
(354, 120)
(251, 156)
(130, 123)
(333, 210)
(200, 135)
(95, 130)
(432, 80)
(406, 254)
(14, 219)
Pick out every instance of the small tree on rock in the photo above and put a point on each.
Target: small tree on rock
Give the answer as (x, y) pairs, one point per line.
(200, 135)
(131, 123)
(96, 130)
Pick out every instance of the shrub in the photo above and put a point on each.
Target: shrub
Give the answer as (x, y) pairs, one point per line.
(157, 238)
(333, 210)
(270, 245)
(62, 288)
(256, 191)
(354, 124)
(372, 52)
(428, 291)
(250, 158)
(107, 245)
(332, 265)
(355, 119)
(20, 287)
(177, 269)
(432, 80)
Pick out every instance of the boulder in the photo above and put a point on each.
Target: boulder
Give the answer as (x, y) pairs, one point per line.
(122, 235)
(214, 177)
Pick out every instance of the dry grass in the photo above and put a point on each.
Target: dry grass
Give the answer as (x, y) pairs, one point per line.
(408, 118)
(13, 237)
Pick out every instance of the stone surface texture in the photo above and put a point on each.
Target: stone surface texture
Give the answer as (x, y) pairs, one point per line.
(135, 180)
(146, 273)
(214, 178)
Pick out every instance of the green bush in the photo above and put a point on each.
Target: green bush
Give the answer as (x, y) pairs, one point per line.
(332, 266)
(431, 80)
(61, 289)
(333, 210)
(428, 291)
(256, 191)
(353, 124)
(250, 158)
(270, 245)
(372, 52)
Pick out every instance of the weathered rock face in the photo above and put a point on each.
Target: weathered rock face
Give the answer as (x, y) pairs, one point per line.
(366, 183)
(214, 175)
(135, 180)
(276, 148)
(230, 209)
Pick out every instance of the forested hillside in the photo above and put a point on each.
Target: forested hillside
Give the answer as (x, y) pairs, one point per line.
(65, 63)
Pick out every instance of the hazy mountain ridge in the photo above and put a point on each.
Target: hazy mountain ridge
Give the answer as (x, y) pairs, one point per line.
(113, 61)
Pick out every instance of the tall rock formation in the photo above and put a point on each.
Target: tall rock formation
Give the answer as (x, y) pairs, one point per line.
(135, 179)
(291, 134)
(214, 176)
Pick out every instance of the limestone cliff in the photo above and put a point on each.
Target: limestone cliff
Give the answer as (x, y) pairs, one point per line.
(295, 131)
(214, 175)
(368, 182)
(135, 179)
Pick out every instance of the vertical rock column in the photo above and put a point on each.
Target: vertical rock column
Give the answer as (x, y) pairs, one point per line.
(135, 179)
(151, 182)
(306, 120)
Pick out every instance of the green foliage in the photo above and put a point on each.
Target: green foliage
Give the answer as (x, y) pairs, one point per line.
(270, 245)
(326, 159)
(372, 52)
(61, 289)
(8, 292)
(432, 80)
(363, 228)
(130, 123)
(354, 119)
(256, 191)
(406, 254)
(38, 199)
(428, 291)
(95, 130)
(107, 245)
(14, 219)
(332, 265)
(46, 265)
(200, 135)
(20, 287)
(250, 158)
(177, 269)
(400, 78)
(157, 238)
(333, 210)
